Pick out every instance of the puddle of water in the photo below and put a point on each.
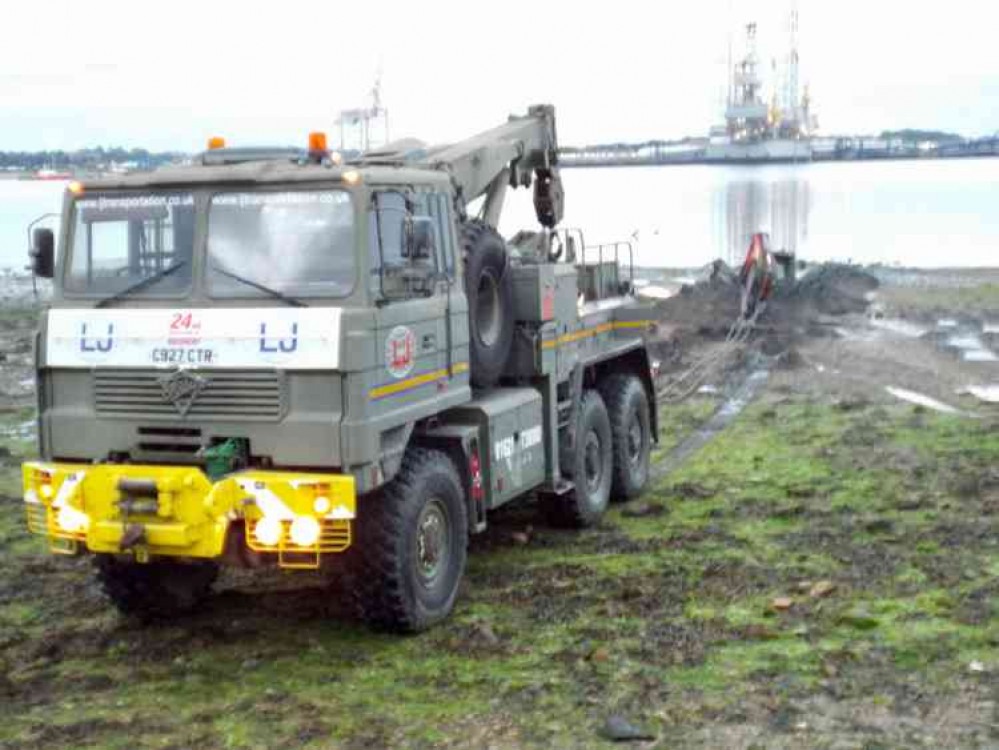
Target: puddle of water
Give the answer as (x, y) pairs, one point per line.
(23, 431)
(655, 292)
(967, 341)
(978, 355)
(876, 332)
(921, 400)
(901, 327)
(987, 393)
(970, 348)
(857, 334)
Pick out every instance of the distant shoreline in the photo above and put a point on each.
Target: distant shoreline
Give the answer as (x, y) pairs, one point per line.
(32, 177)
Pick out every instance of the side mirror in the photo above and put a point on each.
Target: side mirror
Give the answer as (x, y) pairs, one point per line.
(42, 253)
(419, 237)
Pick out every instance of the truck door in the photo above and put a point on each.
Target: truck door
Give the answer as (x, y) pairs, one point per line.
(455, 324)
(414, 370)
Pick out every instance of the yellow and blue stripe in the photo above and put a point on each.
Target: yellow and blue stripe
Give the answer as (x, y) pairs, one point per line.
(399, 387)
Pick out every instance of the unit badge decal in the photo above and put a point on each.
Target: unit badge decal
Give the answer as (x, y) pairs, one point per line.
(400, 351)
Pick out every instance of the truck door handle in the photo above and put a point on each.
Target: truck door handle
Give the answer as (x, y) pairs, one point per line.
(429, 341)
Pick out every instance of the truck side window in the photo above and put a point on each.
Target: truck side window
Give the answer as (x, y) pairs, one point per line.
(385, 232)
(442, 217)
(427, 205)
(394, 276)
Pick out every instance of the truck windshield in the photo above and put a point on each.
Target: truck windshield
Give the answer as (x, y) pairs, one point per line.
(298, 243)
(119, 241)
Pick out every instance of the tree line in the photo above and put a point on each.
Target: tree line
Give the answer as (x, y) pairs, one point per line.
(87, 158)
(914, 135)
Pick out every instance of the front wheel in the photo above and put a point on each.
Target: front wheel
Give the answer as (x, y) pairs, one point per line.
(411, 547)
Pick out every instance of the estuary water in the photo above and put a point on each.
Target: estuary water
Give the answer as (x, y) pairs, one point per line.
(21, 202)
(915, 213)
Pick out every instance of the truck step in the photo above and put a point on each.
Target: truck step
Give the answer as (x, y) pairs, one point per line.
(550, 490)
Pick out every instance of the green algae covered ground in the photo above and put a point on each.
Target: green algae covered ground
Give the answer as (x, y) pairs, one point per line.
(822, 574)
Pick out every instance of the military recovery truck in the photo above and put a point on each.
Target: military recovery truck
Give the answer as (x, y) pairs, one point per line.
(273, 356)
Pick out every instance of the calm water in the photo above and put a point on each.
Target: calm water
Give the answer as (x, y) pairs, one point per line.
(21, 202)
(920, 213)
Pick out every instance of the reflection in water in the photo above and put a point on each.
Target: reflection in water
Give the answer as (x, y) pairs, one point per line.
(744, 207)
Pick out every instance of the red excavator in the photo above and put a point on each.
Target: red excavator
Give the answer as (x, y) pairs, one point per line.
(760, 273)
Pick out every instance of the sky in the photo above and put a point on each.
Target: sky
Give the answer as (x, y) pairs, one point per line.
(166, 76)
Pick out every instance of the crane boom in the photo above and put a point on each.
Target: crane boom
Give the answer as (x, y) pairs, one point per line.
(521, 151)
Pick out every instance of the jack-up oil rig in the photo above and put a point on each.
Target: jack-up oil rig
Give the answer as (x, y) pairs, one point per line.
(758, 126)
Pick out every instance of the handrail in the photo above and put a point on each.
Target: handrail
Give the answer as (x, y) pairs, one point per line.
(616, 248)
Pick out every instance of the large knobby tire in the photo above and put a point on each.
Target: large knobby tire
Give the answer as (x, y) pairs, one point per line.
(157, 590)
(631, 433)
(588, 466)
(412, 540)
(488, 287)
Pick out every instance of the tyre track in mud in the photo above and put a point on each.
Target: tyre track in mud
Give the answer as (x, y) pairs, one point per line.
(741, 396)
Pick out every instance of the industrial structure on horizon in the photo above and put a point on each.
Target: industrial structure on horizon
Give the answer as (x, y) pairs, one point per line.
(769, 120)
(764, 122)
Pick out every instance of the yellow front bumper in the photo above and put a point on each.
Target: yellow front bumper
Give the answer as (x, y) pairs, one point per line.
(177, 511)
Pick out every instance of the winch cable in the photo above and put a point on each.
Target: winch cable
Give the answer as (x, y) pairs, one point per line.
(683, 385)
(757, 284)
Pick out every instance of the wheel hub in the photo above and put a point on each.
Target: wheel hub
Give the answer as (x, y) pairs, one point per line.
(634, 438)
(432, 543)
(592, 461)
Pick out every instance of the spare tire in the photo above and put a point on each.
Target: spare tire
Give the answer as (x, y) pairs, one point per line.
(488, 287)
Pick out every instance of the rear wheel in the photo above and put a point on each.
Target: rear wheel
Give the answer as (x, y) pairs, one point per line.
(411, 547)
(587, 466)
(631, 433)
(156, 590)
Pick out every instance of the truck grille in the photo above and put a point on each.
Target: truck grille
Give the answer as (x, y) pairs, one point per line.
(237, 395)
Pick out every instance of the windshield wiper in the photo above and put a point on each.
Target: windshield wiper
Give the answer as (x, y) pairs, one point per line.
(260, 287)
(140, 285)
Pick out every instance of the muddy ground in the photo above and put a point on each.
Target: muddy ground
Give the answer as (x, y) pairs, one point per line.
(822, 573)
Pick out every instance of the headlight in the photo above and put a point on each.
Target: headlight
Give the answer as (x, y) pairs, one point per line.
(305, 531)
(268, 532)
(71, 520)
(321, 505)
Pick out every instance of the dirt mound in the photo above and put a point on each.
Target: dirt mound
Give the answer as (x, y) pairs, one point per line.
(708, 307)
(830, 289)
